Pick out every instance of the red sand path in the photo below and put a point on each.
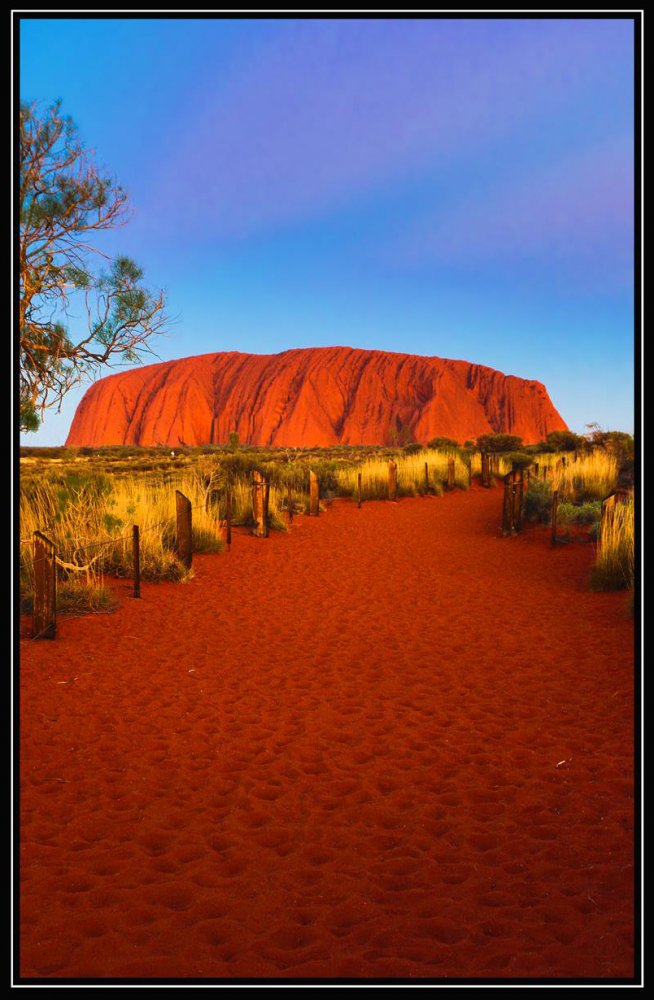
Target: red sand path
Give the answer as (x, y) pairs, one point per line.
(387, 744)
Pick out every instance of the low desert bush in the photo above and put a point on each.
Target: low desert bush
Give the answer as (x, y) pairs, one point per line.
(538, 501)
(518, 459)
(443, 444)
(499, 443)
(580, 513)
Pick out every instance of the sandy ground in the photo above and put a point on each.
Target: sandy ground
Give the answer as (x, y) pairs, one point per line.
(387, 744)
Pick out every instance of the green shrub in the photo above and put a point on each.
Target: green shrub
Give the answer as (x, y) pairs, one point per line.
(564, 441)
(518, 459)
(497, 443)
(538, 501)
(445, 444)
(584, 513)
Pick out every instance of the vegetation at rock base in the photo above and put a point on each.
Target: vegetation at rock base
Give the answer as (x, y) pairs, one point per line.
(86, 500)
(498, 443)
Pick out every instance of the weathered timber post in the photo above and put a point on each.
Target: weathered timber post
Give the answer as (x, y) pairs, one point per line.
(260, 528)
(314, 494)
(136, 558)
(518, 498)
(228, 518)
(507, 506)
(266, 505)
(555, 507)
(359, 490)
(609, 505)
(450, 473)
(45, 588)
(469, 467)
(392, 480)
(184, 539)
(485, 469)
(426, 477)
(608, 511)
(289, 503)
(536, 470)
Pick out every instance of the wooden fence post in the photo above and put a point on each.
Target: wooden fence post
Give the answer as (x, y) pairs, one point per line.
(136, 558)
(513, 501)
(536, 470)
(359, 490)
(289, 503)
(266, 506)
(314, 494)
(518, 498)
(260, 528)
(469, 466)
(184, 540)
(608, 510)
(609, 505)
(450, 473)
(45, 588)
(555, 507)
(426, 477)
(507, 507)
(392, 480)
(228, 518)
(485, 469)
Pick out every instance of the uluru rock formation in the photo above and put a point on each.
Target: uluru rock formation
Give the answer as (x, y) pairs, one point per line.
(310, 396)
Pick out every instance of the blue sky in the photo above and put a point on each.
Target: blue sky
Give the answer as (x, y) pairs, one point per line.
(460, 188)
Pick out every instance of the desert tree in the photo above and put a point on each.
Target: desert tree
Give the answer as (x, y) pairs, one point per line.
(498, 443)
(65, 201)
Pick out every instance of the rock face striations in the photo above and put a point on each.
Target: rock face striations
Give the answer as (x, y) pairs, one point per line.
(311, 396)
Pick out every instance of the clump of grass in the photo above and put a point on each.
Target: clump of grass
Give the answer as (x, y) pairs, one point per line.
(594, 475)
(614, 566)
(89, 520)
(75, 597)
(410, 474)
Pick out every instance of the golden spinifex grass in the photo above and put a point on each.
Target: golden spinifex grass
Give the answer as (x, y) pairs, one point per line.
(89, 518)
(614, 566)
(411, 478)
(90, 521)
(592, 477)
